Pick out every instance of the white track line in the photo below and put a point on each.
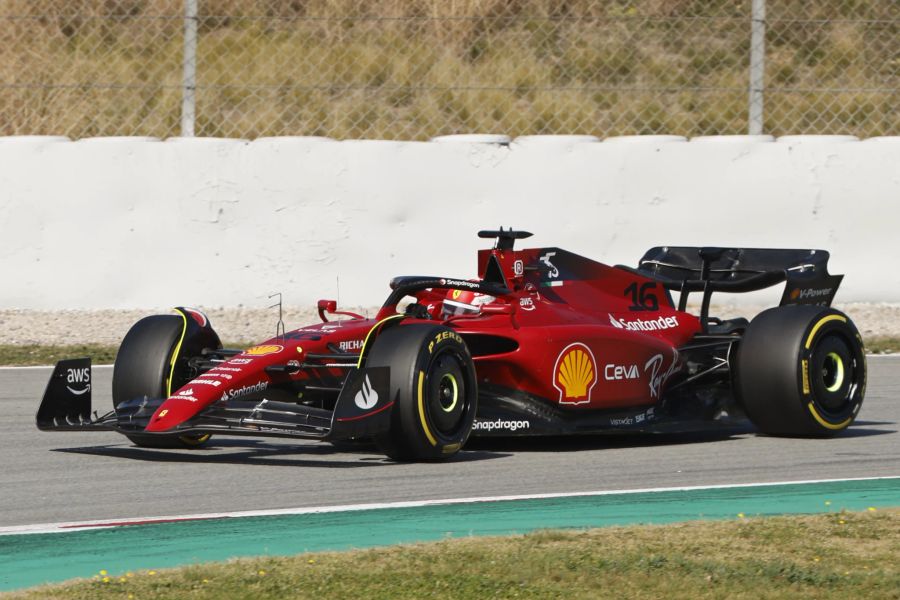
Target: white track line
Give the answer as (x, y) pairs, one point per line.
(110, 523)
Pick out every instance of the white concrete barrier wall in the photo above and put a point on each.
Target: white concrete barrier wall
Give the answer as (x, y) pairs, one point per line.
(138, 222)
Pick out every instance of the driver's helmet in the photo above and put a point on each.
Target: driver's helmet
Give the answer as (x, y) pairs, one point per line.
(464, 302)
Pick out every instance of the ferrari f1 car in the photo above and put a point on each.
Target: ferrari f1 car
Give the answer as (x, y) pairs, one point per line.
(543, 342)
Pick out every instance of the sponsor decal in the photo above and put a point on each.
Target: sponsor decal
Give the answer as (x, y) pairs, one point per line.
(644, 324)
(293, 363)
(619, 372)
(163, 413)
(214, 374)
(456, 294)
(518, 268)
(198, 316)
(575, 374)
(350, 345)
(187, 392)
(501, 425)
(239, 361)
(206, 382)
(527, 304)
(658, 376)
(637, 419)
(808, 293)
(366, 397)
(245, 391)
(553, 271)
(443, 336)
(472, 285)
(263, 350)
(229, 369)
(79, 376)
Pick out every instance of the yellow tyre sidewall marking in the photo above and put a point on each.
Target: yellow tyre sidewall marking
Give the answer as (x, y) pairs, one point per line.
(194, 441)
(808, 345)
(818, 325)
(175, 353)
(362, 351)
(422, 418)
(824, 423)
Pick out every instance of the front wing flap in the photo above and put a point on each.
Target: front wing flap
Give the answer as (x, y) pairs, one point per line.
(363, 409)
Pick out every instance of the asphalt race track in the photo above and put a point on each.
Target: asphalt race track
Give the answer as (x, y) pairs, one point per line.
(64, 477)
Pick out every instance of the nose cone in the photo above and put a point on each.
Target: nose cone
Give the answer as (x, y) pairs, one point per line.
(164, 419)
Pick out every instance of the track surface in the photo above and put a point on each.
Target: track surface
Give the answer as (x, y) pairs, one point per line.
(54, 477)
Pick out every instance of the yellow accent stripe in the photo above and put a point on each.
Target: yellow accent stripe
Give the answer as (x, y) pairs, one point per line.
(175, 354)
(821, 322)
(823, 422)
(362, 351)
(422, 411)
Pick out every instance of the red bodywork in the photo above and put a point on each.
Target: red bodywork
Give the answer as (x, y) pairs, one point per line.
(575, 333)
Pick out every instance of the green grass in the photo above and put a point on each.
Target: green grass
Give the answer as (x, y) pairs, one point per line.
(840, 555)
(411, 69)
(32, 354)
(883, 345)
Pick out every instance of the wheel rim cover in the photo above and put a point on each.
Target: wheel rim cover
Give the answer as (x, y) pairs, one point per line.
(833, 372)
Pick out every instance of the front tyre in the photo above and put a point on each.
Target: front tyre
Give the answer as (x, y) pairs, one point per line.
(801, 371)
(143, 368)
(434, 388)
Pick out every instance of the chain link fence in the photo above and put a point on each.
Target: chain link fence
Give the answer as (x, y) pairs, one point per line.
(413, 69)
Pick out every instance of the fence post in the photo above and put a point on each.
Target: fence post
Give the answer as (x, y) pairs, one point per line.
(189, 81)
(757, 66)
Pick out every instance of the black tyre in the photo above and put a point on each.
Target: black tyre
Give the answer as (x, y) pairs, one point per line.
(434, 386)
(142, 368)
(801, 371)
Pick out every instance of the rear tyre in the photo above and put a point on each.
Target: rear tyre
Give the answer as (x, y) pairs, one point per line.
(142, 368)
(434, 386)
(801, 371)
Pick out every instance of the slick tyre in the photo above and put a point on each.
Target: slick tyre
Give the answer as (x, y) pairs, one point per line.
(434, 388)
(801, 371)
(142, 368)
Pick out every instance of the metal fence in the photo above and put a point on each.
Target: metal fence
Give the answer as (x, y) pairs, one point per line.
(412, 69)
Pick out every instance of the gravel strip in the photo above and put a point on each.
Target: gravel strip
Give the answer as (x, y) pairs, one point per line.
(250, 325)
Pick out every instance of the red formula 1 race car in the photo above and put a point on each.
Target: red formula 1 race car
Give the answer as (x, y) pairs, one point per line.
(544, 342)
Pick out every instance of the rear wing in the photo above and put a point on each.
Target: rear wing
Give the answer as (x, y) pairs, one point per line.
(688, 269)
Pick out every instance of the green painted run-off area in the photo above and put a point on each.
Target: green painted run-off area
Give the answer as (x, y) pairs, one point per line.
(27, 560)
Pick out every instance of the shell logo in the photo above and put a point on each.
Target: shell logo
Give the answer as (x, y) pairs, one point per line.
(575, 374)
(263, 350)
